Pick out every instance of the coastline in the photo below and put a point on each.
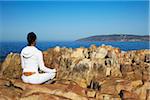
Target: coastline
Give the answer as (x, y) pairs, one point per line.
(16, 47)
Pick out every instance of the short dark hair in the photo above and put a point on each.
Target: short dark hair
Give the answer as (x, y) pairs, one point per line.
(31, 37)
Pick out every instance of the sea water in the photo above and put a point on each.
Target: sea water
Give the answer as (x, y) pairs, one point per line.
(15, 47)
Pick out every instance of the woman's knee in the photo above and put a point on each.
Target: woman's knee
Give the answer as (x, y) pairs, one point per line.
(52, 75)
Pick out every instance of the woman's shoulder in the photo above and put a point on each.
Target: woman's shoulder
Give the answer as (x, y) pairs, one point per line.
(30, 49)
(37, 50)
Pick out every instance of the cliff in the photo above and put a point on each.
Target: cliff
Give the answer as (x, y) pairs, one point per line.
(83, 73)
(121, 37)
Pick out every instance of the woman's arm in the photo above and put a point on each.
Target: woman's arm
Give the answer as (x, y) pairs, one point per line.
(22, 62)
(41, 64)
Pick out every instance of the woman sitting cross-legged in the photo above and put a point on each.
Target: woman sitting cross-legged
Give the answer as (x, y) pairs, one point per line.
(31, 61)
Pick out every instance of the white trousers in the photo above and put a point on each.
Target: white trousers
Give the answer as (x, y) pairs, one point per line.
(38, 78)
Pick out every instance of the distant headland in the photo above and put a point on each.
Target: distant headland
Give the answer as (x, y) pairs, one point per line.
(116, 37)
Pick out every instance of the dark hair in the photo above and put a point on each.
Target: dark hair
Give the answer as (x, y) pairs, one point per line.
(31, 37)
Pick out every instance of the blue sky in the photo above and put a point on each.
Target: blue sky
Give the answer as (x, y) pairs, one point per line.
(65, 21)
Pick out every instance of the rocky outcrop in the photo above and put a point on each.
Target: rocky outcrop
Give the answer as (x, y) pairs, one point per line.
(16, 89)
(85, 73)
(11, 67)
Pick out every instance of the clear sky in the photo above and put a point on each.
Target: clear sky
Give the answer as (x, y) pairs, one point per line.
(64, 20)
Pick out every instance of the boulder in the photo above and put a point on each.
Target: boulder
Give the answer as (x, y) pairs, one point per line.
(78, 53)
(101, 53)
(128, 95)
(91, 93)
(11, 67)
(128, 85)
(100, 96)
(108, 87)
(143, 91)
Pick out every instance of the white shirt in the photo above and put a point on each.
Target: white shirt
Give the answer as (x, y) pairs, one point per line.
(32, 59)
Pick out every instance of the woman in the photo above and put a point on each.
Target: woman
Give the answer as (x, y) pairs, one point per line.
(32, 60)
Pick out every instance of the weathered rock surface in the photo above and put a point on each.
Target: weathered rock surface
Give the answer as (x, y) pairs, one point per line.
(16, 89)
(103, 73)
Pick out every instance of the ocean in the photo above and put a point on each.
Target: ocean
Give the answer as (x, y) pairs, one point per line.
(15, 47)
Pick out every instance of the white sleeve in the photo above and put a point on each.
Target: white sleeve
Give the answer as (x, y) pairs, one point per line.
(22, 62)
(41, 63)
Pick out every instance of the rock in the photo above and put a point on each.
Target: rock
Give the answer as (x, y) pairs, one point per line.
(100, 96)
(56, 91)
(0, 65)
(103, 69)
(78, 53)
(130, 75)
(109, 90)
(143, 91)
(138, 74)
(93, 47)
(115, 71)
(70, 61)
(147, 58)
(128, 95)
(11, 67)
(43, 96)
(128, 85)
(148, 94)
(81, 82)
(7, 93)
(91, 93)
(137, 83)
(108, 87)
(108, 71)
(101, 53)
(52, 58)
(4, 82)
(126, 68)
(57, 49)
(86, 53)
(59, 91)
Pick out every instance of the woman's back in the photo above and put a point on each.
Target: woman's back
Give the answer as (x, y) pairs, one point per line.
(29, 57)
